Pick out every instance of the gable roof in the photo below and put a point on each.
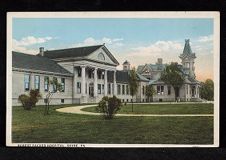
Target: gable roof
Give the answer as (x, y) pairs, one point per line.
(152, 67)
(71, 52)
(38, 63)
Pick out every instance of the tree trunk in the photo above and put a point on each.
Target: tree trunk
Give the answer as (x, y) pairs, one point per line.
(132, 103)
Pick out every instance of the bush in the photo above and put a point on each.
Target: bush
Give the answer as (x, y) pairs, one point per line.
(109, 106)
(29, 101)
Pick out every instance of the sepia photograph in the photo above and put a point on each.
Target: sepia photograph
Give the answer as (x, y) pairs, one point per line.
(113, 79)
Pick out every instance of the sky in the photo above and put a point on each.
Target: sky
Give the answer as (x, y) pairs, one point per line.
(138, 40)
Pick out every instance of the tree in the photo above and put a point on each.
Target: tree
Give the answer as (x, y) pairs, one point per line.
(173, 75)
(207, 90)
(133, 83)
(150, 91)
(109, 106)
(56, 87)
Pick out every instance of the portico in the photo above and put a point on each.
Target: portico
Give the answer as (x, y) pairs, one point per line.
(92, 82)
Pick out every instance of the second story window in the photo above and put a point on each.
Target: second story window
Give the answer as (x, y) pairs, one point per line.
(37, 82)
(26, 82)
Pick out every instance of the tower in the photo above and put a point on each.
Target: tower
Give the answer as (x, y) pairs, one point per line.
(188, 59)
(126, 66)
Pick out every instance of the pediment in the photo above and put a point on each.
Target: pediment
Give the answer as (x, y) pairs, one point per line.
(146, 70)
(103, 55)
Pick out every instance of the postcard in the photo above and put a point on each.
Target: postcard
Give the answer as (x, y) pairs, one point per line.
(113, 79)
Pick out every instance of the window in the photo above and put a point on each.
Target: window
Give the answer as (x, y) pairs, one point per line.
(169, 90)
(62, 100)
(46, 83)
(109, 88)
(26, 82)
(37, 82)
(160, 89)
(143, 90)
(99, 89)
(119, 89)
(79, 72)
(102, 88)
(55, 84)
(123, 89)
(78, 87)
(127, 89)
(101, 56)
(62, 84)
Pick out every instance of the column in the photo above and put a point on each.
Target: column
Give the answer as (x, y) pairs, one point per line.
(83, 82)
(95, 82)
(74, 83)
(115, 87)
(105, 83)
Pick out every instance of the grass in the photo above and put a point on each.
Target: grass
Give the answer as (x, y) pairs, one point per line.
(163, 109)
(32, 126)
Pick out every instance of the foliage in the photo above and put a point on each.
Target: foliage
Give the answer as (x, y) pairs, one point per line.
(207, 90)
(109, 106)
(56, 87)
(29, 101)
(133, 83)
(173, 75)
(150, 91)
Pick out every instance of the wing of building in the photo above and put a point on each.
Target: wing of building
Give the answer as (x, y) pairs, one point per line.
(88, 73)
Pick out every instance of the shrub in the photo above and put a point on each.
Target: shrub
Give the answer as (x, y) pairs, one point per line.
(34, 97)
(29, 101)
(109, 106)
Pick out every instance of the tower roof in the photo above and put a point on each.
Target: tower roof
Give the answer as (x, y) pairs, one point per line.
(126, 62)
(187, 47)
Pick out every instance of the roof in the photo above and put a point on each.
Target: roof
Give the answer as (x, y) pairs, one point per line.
(71, 52)
(126, 62)
(34, 62)
(142, 78)
(152, 67)
(187, 47)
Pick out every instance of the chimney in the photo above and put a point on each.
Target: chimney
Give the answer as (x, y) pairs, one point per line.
(41, 51)
(159, 61)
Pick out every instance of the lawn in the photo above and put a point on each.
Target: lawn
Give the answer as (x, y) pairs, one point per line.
(163, 109)
(32, 126)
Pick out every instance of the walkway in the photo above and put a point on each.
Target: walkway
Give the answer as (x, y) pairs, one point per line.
(78, 110)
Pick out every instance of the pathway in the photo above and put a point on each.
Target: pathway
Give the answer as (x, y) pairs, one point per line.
(78, 110)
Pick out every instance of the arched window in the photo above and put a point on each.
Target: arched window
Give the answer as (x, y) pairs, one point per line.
(101, 56)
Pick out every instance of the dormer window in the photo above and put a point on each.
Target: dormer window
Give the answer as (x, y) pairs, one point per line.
(101, 56)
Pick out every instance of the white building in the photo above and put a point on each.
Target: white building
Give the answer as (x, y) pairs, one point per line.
(86, 74)
(89, 73)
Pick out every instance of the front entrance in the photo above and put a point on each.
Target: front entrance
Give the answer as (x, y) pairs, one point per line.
(91, 90)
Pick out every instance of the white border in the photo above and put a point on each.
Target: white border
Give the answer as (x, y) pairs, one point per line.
(179, 14)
